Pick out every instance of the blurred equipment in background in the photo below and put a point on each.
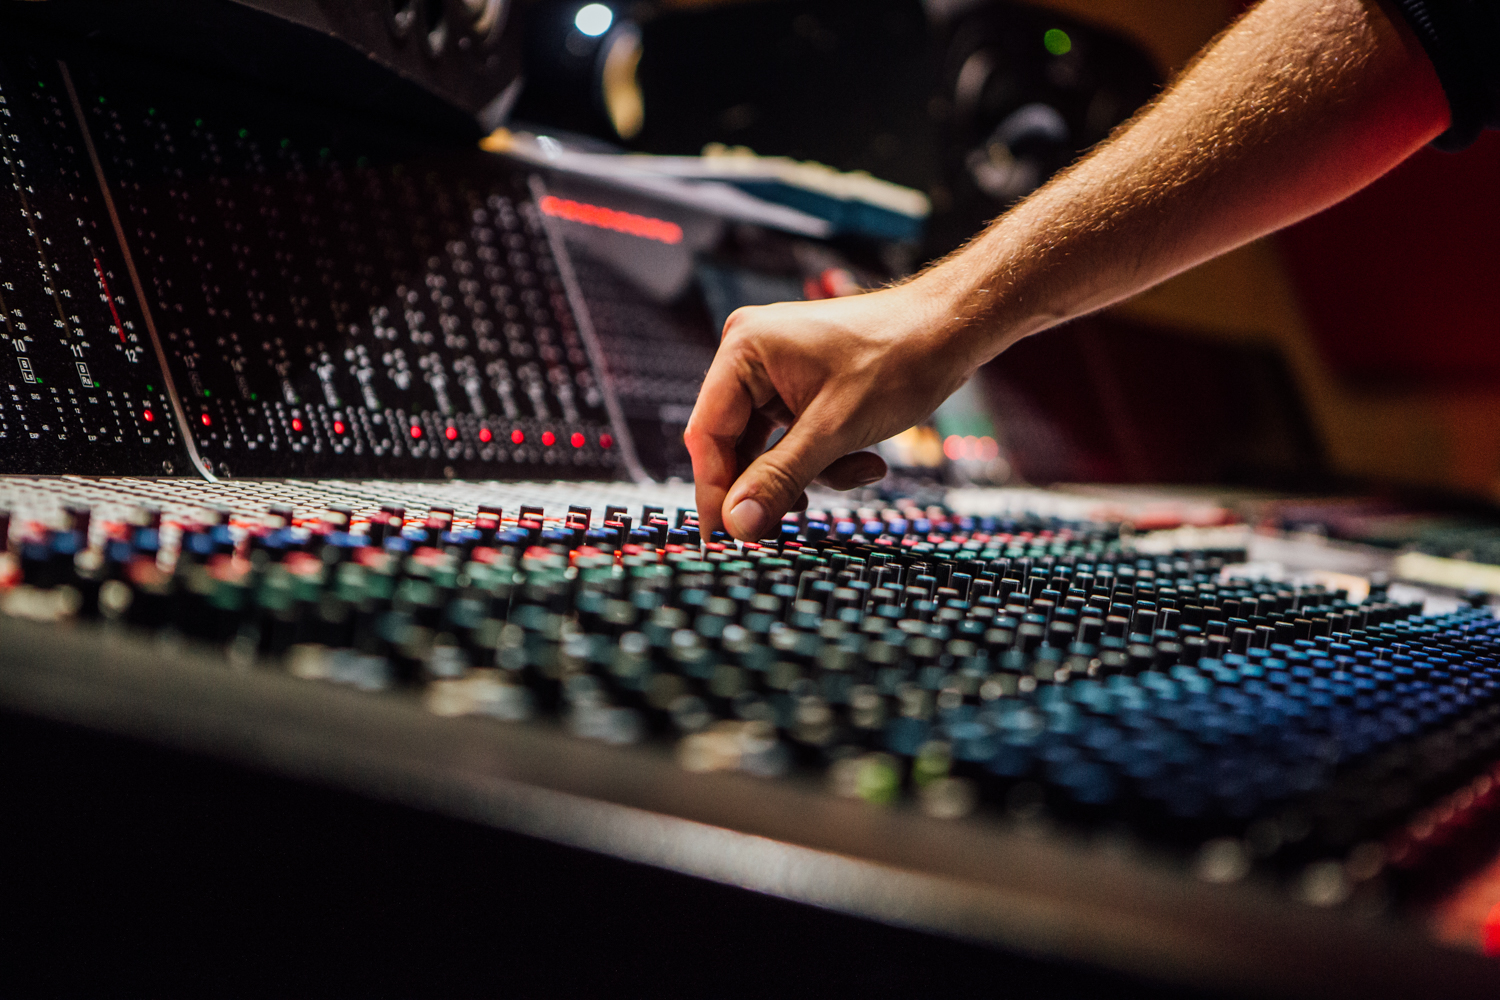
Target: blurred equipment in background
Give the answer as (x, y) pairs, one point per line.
(809, 199)
(438, 63)
(1022, 93)
(973, 104)
(581, 61)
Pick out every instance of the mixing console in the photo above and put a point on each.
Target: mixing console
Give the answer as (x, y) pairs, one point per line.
(908, 709)
(202, 278)
(1012, 664)
(197, 279)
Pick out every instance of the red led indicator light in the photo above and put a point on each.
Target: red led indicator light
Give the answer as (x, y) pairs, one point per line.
(577, 440)
(297, 424)
(451, 434)
(149, 416)
(416, 431)
(606, 441)
(516, 437)
(338, 427)
(608, 218)
(548, 438)
(206, 420)
(485, 435)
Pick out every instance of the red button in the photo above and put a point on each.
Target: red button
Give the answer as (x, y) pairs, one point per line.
(416, 431)
(548, 438)
(516, 437)
(485, 435)
(577, 440)
(149, 416)
(451, 433)
(297, 425)
(338, 427)
(205, 419)
(606, 441)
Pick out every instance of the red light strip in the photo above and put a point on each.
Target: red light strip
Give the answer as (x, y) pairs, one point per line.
(110, 299)
(608, 218)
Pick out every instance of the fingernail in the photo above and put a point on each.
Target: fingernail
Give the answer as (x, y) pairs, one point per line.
(748, 520)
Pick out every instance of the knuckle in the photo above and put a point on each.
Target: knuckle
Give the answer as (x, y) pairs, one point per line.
(738, 320)
(777, 483)
(692, 434)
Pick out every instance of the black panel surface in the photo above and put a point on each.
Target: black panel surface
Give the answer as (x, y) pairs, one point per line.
(439, 63)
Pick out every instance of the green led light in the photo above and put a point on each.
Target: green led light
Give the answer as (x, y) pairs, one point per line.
(285, 143)
(150, 388)
(1057, 42)
(151, 111)
(197, 122)
(244, 133)
(101, 100)
(253, 397)
(324, 151)
(96, 385)
(207, 394)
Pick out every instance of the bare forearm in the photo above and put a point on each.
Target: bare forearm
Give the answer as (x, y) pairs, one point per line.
(1299, 105)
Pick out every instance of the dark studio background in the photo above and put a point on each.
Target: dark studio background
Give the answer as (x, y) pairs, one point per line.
(1356, 350)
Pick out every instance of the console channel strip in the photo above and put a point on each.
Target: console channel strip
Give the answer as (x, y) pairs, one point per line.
(201, 279)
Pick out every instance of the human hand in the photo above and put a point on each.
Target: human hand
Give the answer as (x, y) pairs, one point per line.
(840, 374)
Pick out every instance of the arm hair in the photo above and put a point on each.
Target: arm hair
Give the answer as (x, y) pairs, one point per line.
(1293, 108)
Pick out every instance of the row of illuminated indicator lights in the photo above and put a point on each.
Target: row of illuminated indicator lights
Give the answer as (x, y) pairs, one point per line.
(517, 436)
(955, 447)
(961, 447)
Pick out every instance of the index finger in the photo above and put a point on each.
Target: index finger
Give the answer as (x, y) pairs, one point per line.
(719, 418)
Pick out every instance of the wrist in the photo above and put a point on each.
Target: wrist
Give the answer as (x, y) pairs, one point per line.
(966, 314)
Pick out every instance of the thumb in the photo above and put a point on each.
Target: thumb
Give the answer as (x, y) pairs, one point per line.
(772, 484)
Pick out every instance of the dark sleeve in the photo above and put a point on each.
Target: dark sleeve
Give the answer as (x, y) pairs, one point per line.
(1462, 38)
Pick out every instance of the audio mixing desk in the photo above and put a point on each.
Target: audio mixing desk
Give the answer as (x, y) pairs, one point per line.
(1012, 730)
(356, 636)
